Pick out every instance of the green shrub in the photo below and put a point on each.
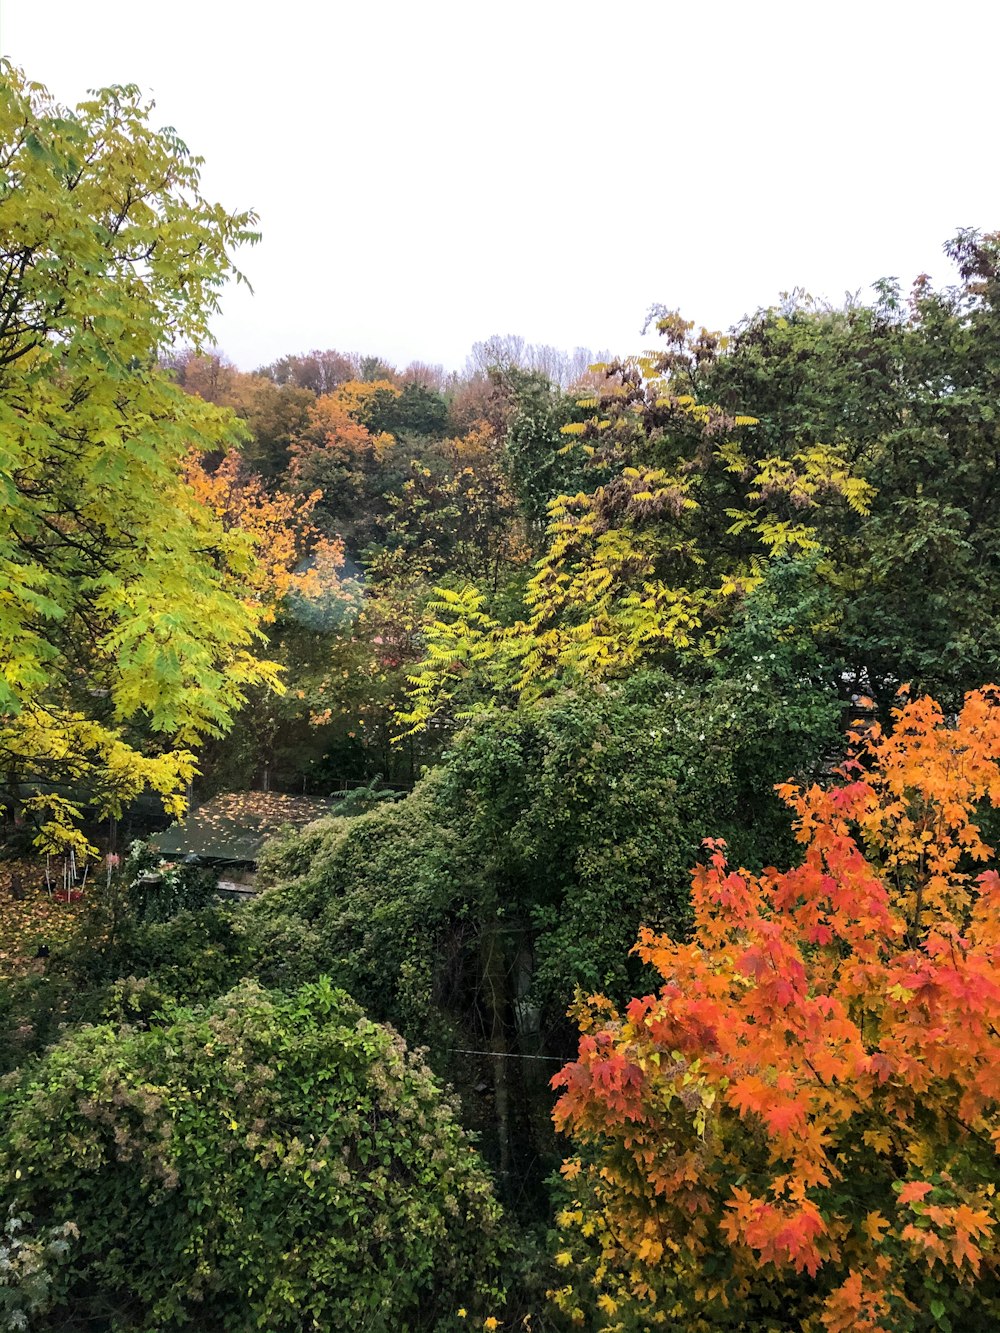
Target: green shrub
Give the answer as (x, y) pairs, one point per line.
(583, 814)
(289, 854)
(158, 889)
(284, 950)
(113, 969)
(27, 1260)
(380, 894)
(272, 1162)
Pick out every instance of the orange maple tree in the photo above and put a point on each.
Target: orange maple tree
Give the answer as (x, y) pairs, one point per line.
(338, 430)
(800, 1129)
(285, 552)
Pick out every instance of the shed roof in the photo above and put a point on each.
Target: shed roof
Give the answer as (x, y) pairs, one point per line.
(235, 825)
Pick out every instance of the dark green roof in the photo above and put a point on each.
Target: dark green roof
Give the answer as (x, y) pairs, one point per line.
(235, 826)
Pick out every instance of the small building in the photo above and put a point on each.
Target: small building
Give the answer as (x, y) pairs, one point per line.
(227, 833)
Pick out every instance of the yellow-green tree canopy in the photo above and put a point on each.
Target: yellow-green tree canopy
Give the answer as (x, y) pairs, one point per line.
(682, 520)
(124, 637)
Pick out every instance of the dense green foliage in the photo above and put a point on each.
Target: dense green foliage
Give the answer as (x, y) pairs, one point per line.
(113, 969)
(277, 1162)
(522, 868)
(539, 466)
(910, 389)
(369, 900)
(584, 814)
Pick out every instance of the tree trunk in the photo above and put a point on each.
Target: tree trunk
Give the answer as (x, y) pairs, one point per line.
(16, 801)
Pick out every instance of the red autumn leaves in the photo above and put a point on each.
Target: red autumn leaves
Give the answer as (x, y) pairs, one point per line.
(815, 1089)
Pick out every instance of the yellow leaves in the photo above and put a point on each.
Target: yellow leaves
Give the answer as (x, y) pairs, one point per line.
(460, 638)
(576, 428)
(58, 833)
(382, 443)
(807, 477)
(649, 563)
(879, 1140)
(356, 397)
(875, 1226)
(732, 457)
(37, 738)
(738, 584)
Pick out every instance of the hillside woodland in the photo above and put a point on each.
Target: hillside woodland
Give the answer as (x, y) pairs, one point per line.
(648, 973)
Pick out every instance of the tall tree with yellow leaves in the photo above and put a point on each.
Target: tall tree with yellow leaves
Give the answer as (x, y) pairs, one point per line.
(124, 636)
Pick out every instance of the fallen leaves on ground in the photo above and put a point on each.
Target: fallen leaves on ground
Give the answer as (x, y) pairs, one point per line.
(39, 919)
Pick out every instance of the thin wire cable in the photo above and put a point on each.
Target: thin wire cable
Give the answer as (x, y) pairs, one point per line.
(506, 1055)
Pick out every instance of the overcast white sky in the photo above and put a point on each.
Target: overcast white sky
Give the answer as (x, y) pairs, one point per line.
(430, 173)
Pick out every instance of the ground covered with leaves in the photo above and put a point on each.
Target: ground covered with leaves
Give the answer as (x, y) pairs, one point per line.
(37, 920)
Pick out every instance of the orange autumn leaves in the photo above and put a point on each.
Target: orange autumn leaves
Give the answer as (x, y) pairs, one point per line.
(914, 803)
(283, 553)
(806, 1116)
(337, 428)
(288, 554)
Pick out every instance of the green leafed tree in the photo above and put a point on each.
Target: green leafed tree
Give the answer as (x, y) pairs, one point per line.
(908, 390)
(684, 514)
(124, 635)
